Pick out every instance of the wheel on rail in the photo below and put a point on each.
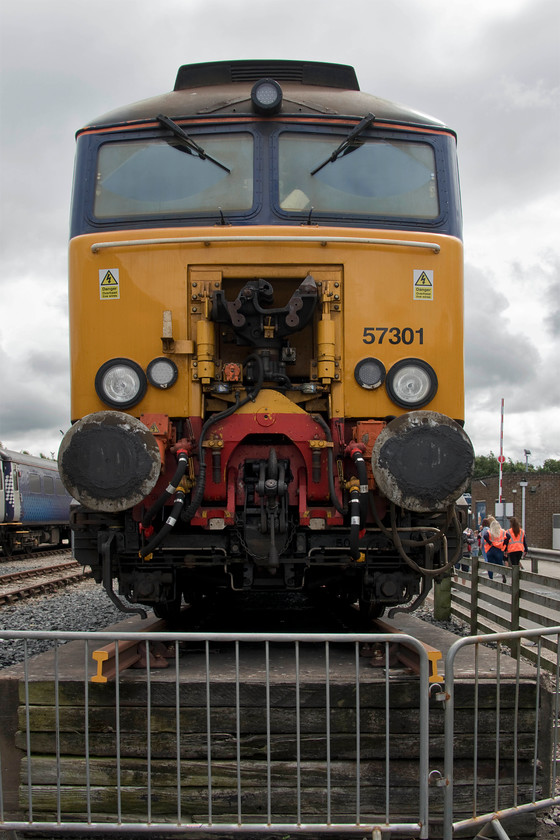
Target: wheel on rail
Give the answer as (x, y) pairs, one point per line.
(168, 610)
(368, 611)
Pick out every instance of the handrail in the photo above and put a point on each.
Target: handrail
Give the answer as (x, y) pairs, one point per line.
(549, 554)
(211, 240)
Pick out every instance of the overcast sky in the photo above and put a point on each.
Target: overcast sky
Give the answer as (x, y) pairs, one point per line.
(488, 68)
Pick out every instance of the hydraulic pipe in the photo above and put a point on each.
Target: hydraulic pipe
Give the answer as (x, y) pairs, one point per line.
(356, 454)
(355, 518)
(170, 523)
(182, 461)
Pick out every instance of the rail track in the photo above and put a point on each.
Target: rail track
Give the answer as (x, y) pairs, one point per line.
(34, 555)
(26, 583)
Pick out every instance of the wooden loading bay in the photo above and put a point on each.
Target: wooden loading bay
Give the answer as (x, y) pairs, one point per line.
(133, 763)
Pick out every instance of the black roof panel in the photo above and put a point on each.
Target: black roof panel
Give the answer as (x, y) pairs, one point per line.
(305, 72)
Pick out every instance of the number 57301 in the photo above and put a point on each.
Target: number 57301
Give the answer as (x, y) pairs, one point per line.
(393, 335)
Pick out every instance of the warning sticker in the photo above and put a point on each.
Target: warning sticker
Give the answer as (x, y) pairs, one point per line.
(109, 284)
(423, 284)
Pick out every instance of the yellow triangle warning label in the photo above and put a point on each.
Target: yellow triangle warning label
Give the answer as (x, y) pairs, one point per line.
(109, 280)
(109, 284)
(423, 280)
(423, 284)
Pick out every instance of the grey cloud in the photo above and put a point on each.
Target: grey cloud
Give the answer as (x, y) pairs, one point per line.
(35, 392)
(541, 281)
(552, 302)
(500, 361)
(496, 354)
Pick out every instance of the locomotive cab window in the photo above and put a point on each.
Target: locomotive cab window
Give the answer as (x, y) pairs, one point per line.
(161, 177)
(374, 177)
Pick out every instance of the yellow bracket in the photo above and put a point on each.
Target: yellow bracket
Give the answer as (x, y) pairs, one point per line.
(434, 656)
(214, 443)
(179, 347)
(99, 656)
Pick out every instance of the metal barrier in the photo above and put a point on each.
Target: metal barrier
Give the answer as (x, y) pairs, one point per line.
(521, 794)
(244, 733)
(551, 555)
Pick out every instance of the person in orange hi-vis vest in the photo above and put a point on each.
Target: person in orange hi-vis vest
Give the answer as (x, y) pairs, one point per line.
(495, 539)
(515, 543)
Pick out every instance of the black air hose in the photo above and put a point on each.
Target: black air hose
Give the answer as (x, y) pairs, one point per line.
(358, 459)
(170, 523)
(182, 462)
(355, 519)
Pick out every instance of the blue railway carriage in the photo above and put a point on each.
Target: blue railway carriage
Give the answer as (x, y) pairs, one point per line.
(34, 506)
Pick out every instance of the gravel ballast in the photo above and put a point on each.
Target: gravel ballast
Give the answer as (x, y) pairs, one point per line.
(81, 606)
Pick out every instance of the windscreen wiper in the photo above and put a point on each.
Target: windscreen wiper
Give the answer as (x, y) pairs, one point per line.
(362, 125)
(188, 141)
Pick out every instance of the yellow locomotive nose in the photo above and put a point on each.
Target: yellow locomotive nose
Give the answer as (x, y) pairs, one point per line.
(266, 292)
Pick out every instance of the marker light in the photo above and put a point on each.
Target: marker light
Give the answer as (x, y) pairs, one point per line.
(411, 383)
(162, 372)
(370, 373)
(120, 383)
(266, 97)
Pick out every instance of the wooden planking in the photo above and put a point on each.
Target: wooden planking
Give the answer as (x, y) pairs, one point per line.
(403, 693)
(283, 747)
(194, 801)
(164, 772)
(254, 721)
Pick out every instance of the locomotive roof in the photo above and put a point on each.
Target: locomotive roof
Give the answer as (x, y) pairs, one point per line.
(224, 87)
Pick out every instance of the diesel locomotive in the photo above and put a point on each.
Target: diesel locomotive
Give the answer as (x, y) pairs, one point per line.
(34, 506)
(266, 328)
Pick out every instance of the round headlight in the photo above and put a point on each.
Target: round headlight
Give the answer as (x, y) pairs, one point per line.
(120, 383)
(266, 96)
(370, 373)
(162, 372)
(411, 383)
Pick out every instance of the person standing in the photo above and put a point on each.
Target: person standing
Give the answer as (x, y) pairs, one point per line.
(483, 531)
(494, 540)
(515, 542)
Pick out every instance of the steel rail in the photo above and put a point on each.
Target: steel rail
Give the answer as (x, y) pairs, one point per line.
(42, 585)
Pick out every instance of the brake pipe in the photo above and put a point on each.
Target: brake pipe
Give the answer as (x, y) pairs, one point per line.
(436, 533)
(355, 522)
(355, 450)
(428, 572)
(182, 463)
(170, 523)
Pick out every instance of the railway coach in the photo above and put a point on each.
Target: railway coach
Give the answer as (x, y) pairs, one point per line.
(266, 315)
(34, 506)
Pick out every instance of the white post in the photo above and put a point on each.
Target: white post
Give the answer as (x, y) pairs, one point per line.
(523, 485)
